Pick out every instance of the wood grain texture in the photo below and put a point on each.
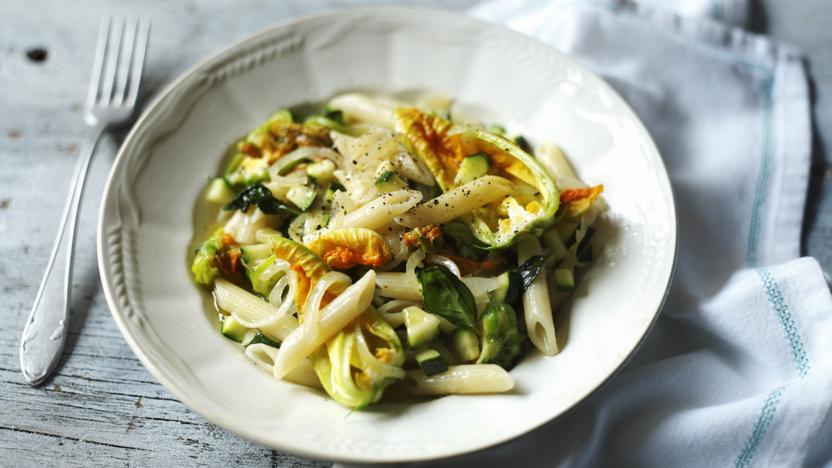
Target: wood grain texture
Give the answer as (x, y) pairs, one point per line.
(103, 408)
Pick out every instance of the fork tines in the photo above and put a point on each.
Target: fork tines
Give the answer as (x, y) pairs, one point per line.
(119, 58)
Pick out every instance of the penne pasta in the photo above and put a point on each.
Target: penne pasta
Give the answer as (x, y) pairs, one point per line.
(337, 314)
(303, 374)
(554, 162)
(244, 226)
(263, 357)
(537, 309)
(253, 312)
(360, 107)
(481, 288)
(457, 202)
(462, 379)
(382, 210)
(397, 286)
(392, 313)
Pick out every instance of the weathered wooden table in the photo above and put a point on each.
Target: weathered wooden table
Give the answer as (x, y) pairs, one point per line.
(102, 407)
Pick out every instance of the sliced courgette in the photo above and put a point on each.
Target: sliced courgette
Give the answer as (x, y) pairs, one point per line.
(330, 191)
(264, 276)
(564, 280)
(302, 196)
(431, 362)
(220, 192)
(247, 170)
(466, 344)
(259, 338)
(327, 122)
(254, 254)
(321, 171)
(267, 235)
(509, 287)
(421, 326)
(232, 329)
(473, 166)
(288, 167)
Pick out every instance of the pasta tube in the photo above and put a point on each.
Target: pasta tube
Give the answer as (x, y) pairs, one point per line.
(364, 108)
(463, 379)
(457, 202)
(263, 356)
(253, 312)
(334, 317)
(557, 167)
(382, 210)
(397, 286)
(536, 306)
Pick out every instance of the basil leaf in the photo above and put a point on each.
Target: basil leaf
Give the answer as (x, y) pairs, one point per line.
(529, 270)
(445, 295)
(258, 194)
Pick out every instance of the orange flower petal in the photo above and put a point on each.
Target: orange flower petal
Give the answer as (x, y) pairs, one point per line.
(345, 248)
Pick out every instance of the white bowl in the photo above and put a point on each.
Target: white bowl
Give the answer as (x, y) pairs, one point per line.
(147, 220)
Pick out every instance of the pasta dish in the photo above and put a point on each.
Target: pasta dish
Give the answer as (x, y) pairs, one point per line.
(379, 245)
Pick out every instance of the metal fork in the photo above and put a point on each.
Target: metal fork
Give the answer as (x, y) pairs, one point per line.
(114, 87)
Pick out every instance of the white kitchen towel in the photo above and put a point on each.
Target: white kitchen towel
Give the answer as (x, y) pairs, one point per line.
(738, 369)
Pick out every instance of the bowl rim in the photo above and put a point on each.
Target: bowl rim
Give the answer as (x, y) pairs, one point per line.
(252, 39)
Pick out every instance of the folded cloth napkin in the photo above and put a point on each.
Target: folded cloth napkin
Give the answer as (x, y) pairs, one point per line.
(738, 369)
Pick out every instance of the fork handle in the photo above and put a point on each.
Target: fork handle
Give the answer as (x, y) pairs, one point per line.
(45, 331)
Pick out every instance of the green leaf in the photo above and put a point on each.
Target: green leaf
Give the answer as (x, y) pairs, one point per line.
(445, 295)
(258, 194)
(529, 270)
